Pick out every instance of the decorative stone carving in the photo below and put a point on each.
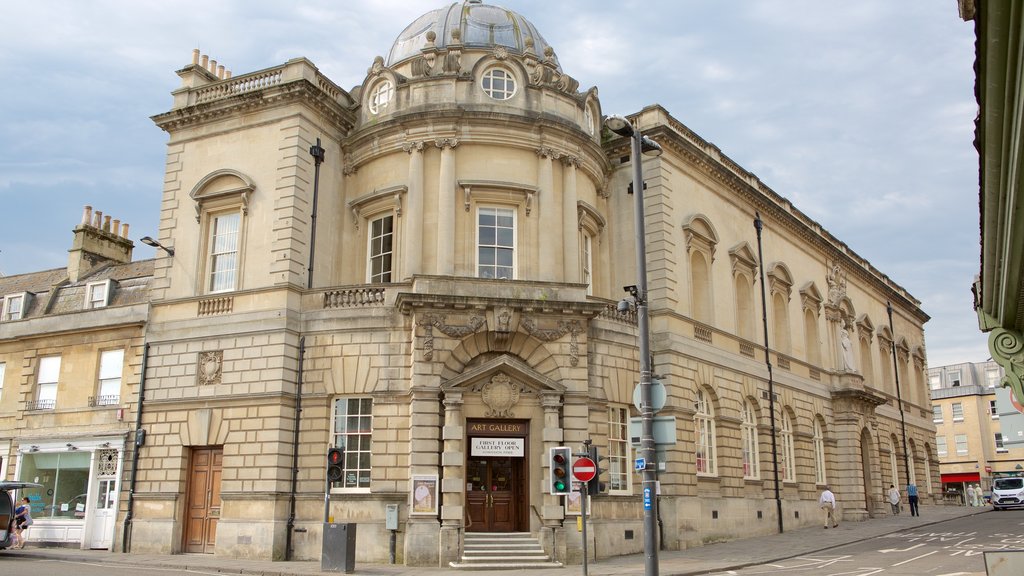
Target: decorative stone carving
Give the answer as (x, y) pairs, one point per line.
(500, 52)
(1007, 348)
(210, 366)
(500, 395)
(443, 143)
(412, 146)
(377, 67)
(546, 152)
(452, 331)
(836, 284)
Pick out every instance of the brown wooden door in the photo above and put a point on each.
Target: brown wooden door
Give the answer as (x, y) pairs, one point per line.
(203, 505)
(493, 498)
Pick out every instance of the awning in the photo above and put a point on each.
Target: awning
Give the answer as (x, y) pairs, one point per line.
(961, 477)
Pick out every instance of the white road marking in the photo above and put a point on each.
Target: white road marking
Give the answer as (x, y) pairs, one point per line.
(915, 558)
(887, 550)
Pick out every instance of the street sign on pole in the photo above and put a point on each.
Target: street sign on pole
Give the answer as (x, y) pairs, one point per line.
(584, 469)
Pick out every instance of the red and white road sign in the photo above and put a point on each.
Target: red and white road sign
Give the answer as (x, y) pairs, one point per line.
(584, 469)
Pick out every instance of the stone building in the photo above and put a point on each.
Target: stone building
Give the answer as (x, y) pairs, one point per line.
(424, 271)
(71, 347)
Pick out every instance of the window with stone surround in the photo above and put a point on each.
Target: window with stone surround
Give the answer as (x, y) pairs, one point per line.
(496, 242)
(587, 261)
(704, 422)
(97, 294)
(751, 448)
(381, 96)
(498, 83)
(618, 451)
(937, 414)
(353, 433)
(381, 243)
(3, 370)
(13, 307)
(787, 453)
(958, 412)
(940, 446)
(222, 204)
(223, 256)
(961, 444)
(46, 383)
(109, 389)
(893, 467)
(818, 440)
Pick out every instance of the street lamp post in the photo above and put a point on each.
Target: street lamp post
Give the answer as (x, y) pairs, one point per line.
(642, 144)
(899, 399)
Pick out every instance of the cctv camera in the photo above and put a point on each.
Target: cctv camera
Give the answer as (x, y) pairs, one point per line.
(622, 306)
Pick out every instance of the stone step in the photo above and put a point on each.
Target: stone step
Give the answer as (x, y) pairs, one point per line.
(503, 551)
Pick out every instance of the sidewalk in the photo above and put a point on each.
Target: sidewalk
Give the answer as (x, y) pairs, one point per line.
(702, 560)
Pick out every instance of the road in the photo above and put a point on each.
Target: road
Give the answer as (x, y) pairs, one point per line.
(953, 548)
(13, 565)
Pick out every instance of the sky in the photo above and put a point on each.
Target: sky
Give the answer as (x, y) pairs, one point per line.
(860, 113)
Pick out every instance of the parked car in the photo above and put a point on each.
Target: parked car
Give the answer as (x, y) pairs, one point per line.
(1007, 493)
(7, 507)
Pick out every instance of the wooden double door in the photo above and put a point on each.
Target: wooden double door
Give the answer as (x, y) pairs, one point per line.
(203, 503)
(496, 496)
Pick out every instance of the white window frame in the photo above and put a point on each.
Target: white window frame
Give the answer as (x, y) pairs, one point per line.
(372, 254)
(357, 443)
(381, 95)
(787, 454)
(3, 373)
(498, 212)
(935, 381)
(751, 443)
(11, 301)
(108, 388)
(941, 450)
(499, 75)
(1000, 447)
(955, 379)
(97, 294)
(958, 412)
(618, 457)
(704, 440)
(215, 255)
(587, 261)
(961, 441)
(47, 381)
(818, 440)
(937, 414)
(992, 377)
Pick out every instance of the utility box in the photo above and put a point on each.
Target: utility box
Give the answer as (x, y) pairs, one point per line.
(391, 517)
(338, 552)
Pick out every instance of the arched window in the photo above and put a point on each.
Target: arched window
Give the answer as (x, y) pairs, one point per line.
(700, 275)
(780, 282)
(701, 239)
(751, 450)
(787, 453)
(819, 453)
(811, 298)
(892, 462)
(928, 467)
(910, 460)
(744, 266)
(704, 421)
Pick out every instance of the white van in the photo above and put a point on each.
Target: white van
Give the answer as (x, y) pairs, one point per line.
(1007, 493)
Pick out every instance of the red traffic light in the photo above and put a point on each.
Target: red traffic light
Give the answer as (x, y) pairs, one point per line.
(334, 456)
(335, 460)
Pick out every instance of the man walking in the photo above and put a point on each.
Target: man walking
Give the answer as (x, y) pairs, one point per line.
(912, 498)
(827, 501)
(894, 499)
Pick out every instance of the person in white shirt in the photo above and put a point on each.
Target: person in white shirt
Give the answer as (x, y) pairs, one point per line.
(894, 499)
(827, 501)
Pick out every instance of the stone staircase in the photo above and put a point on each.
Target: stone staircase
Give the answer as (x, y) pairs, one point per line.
(502, 551)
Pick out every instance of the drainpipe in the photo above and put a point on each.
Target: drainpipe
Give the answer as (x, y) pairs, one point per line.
(295, 452)
(140, 437)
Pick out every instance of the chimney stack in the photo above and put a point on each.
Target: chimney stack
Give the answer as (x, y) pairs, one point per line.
(97, 242)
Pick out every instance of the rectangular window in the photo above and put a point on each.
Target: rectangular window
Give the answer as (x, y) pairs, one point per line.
(224, 252)
(96, 294)
(958, 412)
(618, 450)
(954, 378)
(935, 381)
(992, 377)
(381, 242)
(937, 414)
(14, 306)
(999, 444)
(353, 432)
(111, 363)
(586, 243)
(961, 444)
(3, 370)
(46, 384)
(992, 410)
(65, 480)
(496, 237)
(940, 446)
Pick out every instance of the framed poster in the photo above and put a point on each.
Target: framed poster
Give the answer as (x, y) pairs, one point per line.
(424, 494)
(573, 504)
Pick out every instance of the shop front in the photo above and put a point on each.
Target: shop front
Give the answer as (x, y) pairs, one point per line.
(77, 503)
(954, 486)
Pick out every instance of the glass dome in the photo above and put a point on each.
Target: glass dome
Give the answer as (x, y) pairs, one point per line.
(481, 26)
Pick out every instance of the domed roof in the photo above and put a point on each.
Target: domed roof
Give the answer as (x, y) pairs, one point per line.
(480, 25)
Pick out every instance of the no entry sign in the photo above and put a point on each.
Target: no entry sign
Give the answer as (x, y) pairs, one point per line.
(584, 469)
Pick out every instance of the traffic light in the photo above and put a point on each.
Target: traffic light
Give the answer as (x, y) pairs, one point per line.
(596, 485)
(560, 459)
(335, 464)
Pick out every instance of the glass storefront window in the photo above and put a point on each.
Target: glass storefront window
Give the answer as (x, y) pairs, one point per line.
(65, 480)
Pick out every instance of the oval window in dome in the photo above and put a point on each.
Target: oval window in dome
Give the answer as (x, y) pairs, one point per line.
(381, 96)
(499, 83)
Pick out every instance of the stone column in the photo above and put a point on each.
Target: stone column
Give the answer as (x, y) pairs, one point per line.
(446, 207)
(570, 222)
(412, 245)
(552, 535)
(422, 532)
(453, 489)
(854, 411)
(545, 256)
